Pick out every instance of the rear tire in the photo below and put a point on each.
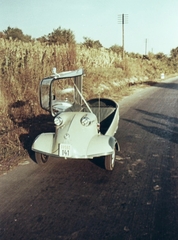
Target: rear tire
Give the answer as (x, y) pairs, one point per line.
(41, 159)
(110, 161)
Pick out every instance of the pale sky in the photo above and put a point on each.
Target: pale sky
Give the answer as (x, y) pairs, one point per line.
(151, 21)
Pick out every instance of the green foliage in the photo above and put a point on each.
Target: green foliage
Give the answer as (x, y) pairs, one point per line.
(59, 36)
(174, 58)
(16, 34)
(117, 49)
(89, 43)
(134, 55)
(160, 56)
(174, 53)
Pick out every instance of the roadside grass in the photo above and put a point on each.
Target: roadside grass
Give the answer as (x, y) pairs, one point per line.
(23, 65)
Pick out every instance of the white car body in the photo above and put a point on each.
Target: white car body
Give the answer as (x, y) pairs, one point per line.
(83, 129)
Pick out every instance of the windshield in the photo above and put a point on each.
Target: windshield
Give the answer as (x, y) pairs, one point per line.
(63, 90)
(62, 95)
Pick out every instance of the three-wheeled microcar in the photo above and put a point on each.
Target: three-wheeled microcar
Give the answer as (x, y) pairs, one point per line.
(83, 129)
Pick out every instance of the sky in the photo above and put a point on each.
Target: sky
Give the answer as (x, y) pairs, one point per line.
(152, 25)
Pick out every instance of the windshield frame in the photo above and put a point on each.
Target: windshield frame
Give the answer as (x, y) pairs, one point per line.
(47, 98)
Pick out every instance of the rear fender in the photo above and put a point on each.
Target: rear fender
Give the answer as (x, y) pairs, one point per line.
(114, 144)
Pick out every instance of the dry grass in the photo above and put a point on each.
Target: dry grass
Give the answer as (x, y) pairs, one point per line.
(23, 65)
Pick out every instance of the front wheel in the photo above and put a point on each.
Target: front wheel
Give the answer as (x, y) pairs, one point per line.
(41, 159)
(110, 161)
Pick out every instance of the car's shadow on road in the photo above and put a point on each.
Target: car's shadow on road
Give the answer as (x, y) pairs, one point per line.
(21, 114)
(99, 162)
(35, 126)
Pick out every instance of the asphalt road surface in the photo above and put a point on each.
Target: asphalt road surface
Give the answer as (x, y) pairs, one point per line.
(79, 199)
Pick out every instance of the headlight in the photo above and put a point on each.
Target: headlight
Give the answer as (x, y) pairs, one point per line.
(58, 120)
(85, 121)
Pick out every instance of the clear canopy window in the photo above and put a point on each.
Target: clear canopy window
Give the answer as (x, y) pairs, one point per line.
(63, 90)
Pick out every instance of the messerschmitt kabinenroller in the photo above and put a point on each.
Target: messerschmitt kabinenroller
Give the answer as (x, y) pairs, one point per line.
(84, 129)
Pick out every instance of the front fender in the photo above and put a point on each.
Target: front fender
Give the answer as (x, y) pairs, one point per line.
(101, 145)
(43, 143)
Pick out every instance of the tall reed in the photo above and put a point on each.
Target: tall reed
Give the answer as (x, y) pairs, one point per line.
(23, 65)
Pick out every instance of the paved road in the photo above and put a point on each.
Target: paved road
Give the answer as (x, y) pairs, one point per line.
(80, 200)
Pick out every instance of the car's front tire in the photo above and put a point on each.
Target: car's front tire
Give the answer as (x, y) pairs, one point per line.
(109, 161)
(40, 158)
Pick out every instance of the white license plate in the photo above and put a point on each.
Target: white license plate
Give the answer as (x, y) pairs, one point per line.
(65, 150)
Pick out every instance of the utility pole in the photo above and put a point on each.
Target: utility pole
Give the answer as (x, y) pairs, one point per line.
(123, 19)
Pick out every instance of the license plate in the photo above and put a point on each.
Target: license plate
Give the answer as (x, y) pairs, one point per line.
(65, 150)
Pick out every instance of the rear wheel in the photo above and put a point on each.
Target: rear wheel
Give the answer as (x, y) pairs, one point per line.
(41, 159)
(110, 160)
